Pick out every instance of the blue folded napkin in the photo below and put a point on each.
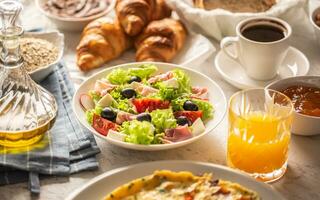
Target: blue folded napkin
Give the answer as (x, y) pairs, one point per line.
(67, 148)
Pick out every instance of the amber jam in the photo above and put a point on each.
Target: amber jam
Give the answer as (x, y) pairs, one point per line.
(306, 100)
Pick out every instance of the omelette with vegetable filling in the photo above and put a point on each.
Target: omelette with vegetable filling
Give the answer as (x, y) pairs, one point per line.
(183, 185)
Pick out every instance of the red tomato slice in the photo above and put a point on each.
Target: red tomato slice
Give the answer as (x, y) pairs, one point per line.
(103, 126)
(191, 115)
(189, 195)
(149, 104)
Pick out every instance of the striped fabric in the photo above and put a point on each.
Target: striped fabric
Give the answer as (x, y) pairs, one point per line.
(67, 148)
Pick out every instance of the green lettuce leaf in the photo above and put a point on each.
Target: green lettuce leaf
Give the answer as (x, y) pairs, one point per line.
(119, 76)
(163, 119)
(165, 93)
(120, 102)
(95, 96)
(122, 76)
(124, 105)
(177, 104)
(168, 93)
(158, 138)
(89, 114)
(138, 132)
(183, 80)
(116, 93)
(206, 108)
(143, 71)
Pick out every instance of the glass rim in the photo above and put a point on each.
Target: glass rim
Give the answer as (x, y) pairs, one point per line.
(261, 89)
(12, 31)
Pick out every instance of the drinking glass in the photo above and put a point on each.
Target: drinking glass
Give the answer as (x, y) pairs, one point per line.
(259, 133)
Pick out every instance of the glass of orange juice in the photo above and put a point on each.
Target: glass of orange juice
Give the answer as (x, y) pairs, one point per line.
(259, 133)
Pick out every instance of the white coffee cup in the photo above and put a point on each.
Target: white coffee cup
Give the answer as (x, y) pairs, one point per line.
(260, 59)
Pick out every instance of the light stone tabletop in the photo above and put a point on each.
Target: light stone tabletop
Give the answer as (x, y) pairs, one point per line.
(301, 181)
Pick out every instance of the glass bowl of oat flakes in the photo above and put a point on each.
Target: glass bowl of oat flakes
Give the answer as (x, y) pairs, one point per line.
(41, 51)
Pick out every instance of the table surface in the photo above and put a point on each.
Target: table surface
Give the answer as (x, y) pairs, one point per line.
(301, 180)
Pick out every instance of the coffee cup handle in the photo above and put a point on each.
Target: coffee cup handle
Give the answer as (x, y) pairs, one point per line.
(226, 42)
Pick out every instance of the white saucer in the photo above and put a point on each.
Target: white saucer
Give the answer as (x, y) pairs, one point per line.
(294, 64)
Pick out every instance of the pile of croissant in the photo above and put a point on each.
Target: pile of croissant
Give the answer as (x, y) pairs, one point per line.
(144, 24)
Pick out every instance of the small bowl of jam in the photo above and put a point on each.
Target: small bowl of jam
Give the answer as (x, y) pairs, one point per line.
(304, 92)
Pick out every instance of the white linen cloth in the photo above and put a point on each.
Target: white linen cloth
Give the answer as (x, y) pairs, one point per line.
(219, 23)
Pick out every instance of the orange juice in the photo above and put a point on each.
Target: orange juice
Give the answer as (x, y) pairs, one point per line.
(258, 142)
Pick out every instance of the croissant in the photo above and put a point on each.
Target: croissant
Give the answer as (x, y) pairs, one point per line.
(161, 10)
(102, 40)
(134, 15)
(160, 40)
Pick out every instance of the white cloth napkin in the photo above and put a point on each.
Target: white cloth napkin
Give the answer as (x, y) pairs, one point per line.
(219, 23)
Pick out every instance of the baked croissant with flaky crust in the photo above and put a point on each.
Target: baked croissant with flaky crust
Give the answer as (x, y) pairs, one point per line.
(134, 15)
(161, 11)
(160, 40)
(101, 41)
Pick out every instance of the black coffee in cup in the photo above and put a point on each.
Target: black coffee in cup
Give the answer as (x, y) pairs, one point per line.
(264, 32)
(260, 45)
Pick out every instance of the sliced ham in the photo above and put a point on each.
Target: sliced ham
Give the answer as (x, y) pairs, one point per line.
(161, 77)
(102, 86)
(199, 93)
(124, 116)
(177, 134)
(164, 141)
(144, 90)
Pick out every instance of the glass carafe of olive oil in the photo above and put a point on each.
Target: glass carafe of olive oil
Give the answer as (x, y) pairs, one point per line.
(27, 110)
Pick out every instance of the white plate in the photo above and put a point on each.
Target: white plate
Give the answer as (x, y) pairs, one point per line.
(57, 39)
(100, 186)
(216, 97)
(294, 64)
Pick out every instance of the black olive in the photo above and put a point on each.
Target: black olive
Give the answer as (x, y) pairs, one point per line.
(134, 79)
(144, 117)
(108, 114)
(128, 93)
(189, 105)
(214, 182)
(182, 120)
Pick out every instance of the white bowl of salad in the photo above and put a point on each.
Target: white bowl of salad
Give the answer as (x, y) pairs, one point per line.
(149, 106)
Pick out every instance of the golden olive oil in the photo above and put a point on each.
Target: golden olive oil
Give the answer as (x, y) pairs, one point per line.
(24, 137)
